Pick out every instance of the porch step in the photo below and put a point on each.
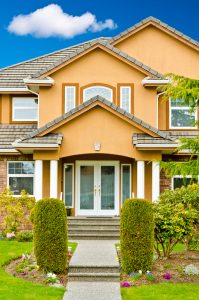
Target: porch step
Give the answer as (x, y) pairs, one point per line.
(99, 228)
(112, 277)
(94, 236)
(93, 269)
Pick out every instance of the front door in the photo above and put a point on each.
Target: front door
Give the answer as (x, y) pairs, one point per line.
(97, 188)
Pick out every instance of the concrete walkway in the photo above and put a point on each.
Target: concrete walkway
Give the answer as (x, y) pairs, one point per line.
(94, 253)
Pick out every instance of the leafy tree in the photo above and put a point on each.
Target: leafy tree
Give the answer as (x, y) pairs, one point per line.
(186, 89)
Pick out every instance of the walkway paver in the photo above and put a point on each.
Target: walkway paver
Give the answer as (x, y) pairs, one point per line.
(93, 291)
(93, 253)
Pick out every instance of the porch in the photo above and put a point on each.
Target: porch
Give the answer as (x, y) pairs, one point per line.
(96, 185)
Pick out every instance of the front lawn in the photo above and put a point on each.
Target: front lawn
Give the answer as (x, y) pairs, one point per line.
(164, 291)
(12, 288)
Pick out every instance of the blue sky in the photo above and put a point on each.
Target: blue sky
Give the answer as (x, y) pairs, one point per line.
(17, 45)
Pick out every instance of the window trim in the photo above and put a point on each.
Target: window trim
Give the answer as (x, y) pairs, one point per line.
(130, 91)
(179, 176)
(21, 175)
(182, 108)
(131, 85)
(13, 109)
(74, 100)
(73, 184)
(99, 85)
(121, 183)
(64, 85)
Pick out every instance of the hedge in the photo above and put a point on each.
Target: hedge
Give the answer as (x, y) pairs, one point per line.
(136, 235)
(50, 235)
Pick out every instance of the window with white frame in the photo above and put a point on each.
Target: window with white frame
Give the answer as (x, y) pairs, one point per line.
(69, 185)
(21, 177)
(178, 181)
(24, 109)
(70, 98)
(180, 115)
(102, 91)
(125, 182)
(125, 98)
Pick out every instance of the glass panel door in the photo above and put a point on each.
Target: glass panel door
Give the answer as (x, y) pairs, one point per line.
(86, 187)
(107, 187)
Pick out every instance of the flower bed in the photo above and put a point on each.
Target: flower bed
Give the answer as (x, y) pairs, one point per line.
(180, 267)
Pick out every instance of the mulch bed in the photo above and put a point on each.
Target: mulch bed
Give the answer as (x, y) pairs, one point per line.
(174, 265)
(32, 273)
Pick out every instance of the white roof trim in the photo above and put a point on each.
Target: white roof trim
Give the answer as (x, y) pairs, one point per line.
(34, 145)
(10, 89)
(157, 145)
(8, 151)
(48, 81)
(147, 81)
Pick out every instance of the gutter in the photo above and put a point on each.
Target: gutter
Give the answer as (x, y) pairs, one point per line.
(34, 145)
(8, 151)
(146, 81)
(32, 81)
(157, 145)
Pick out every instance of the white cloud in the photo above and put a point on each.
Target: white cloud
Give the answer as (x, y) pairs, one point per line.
(52, 21)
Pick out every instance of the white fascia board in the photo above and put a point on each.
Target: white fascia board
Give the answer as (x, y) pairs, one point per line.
(8, 151)
(146, 81)
(33, 145)
(157, 145)
(10, 89)
(48, 81)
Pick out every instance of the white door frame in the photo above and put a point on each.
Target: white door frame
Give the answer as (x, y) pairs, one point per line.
(96, 211)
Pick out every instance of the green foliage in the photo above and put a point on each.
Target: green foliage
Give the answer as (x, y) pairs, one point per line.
(173, 223)
(15, 211)
(136, 235)
(50, 235)
(188, 196)
(24, 236)
(182, 88)
(186, 89)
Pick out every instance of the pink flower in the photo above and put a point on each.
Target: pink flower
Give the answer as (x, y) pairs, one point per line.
(10, 235)
(125, 284)
(167, 276)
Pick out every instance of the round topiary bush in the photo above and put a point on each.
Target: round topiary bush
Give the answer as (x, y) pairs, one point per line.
(136, 235)
(50, 235)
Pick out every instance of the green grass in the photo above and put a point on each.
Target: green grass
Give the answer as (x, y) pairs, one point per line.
(164, 291)
(12, 288)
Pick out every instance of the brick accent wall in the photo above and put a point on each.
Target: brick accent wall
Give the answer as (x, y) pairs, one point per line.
(165, 182)
(3, 175)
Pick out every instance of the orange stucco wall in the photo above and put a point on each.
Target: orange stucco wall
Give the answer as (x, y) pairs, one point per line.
(97, 67)
(162, 52)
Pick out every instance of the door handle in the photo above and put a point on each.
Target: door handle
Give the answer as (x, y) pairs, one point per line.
(95, 190)
(99, 189)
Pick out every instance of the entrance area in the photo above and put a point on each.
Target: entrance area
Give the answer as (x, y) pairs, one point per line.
(97, 188)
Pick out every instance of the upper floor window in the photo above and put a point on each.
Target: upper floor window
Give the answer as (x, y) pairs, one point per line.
(125, 98)
(24, 109)
(178, 181)
(70, 98)
(102, 91)
(181, 116)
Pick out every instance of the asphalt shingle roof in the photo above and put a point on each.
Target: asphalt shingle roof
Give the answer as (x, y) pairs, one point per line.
(173, 137)
(81, 107)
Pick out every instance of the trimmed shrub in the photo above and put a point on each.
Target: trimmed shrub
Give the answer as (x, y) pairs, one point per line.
(25, 236)
(136, 235)
(15, 211)
(50, 235)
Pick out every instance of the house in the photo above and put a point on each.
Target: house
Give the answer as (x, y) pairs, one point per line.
(86, 124)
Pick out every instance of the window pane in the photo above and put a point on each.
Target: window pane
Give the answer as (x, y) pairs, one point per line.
(25, 102)
(177, 103)
(107, 187)
(179, 182)
(17, 184)
(182, 118)
(25, 114)
(69, 98)
(87, 187)
(69, 185)
(125, 95)
(98, 90)
(21, 168)
(126, 182)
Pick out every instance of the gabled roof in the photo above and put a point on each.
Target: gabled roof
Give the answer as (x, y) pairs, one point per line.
(86, 105)
(159, 23)
(13, 75)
